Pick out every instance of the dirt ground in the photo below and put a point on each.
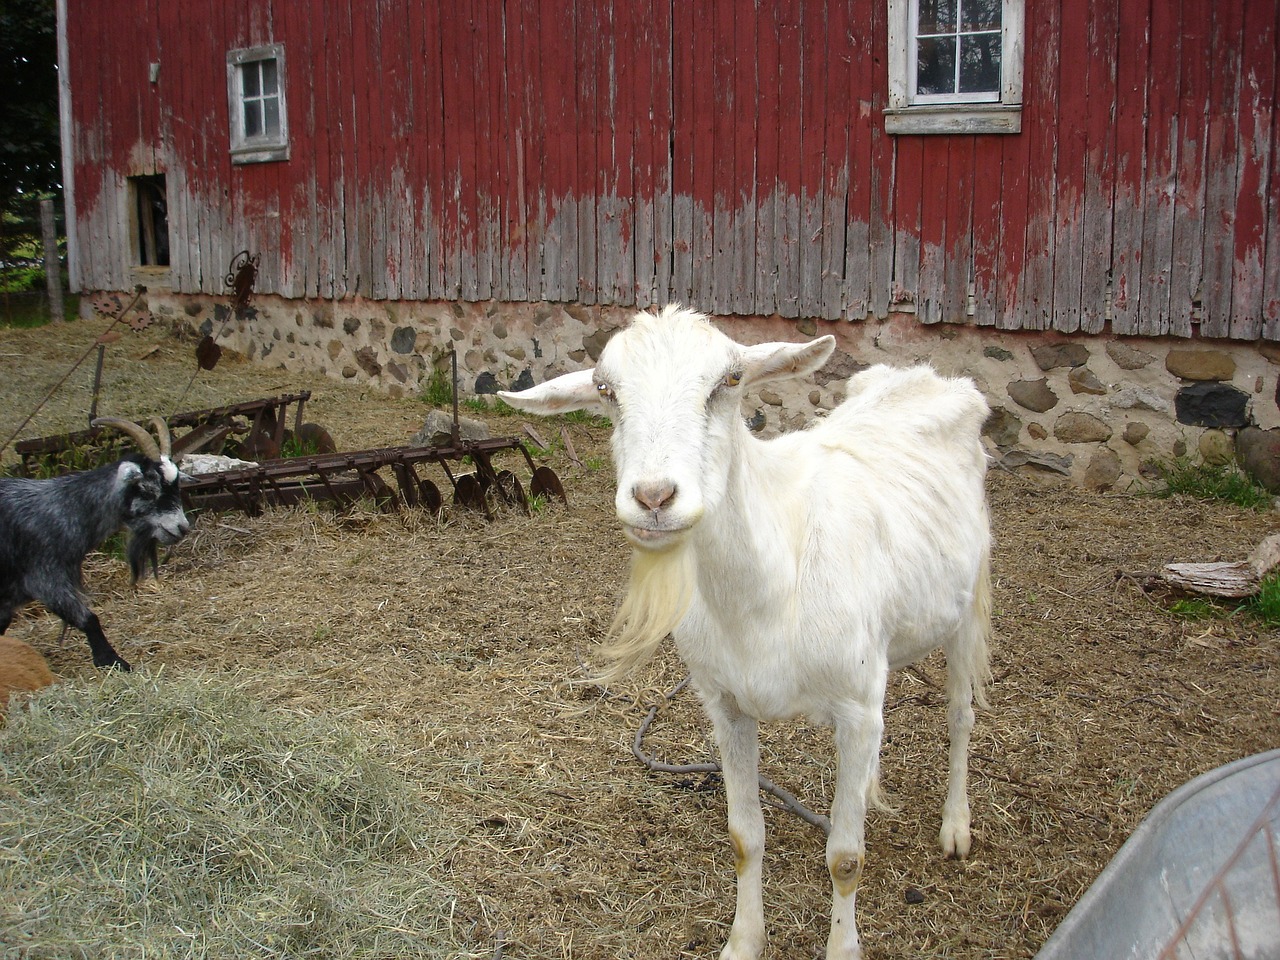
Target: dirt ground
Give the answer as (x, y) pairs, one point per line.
(462, 643)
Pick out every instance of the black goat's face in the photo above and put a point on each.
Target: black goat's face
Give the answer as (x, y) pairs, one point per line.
(152, 501)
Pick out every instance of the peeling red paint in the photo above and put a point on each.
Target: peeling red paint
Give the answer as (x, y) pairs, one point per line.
(734, 158)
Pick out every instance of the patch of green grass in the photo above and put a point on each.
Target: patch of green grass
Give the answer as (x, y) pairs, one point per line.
(1206, 481)
(438, 390)
(1263, 606)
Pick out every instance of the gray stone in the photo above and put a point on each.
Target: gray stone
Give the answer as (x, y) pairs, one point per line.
(807, 326)
(1037, 431)
(997, 353)
(1259, 454)
(1083, 380)
(1200, 365)
(1033, 395)
(1052, 462)
(771, 397)
(524, 381)
(1136, 398)
(1002, 427)
(487, 383)
(350, 325)
(1211, 405)
(1126, 357)
(404, 339)
(437, 430)
(1103, 470)
(1076, 427)
(1050, 356)
(1269, 351)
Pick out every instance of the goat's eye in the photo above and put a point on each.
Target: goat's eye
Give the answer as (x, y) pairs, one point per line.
(605, 391)
(732, 378)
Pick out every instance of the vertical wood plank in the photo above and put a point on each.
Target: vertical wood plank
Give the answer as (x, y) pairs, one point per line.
(860, 81)
(1187, 257)
(742, 200)
(957, 266)
(1068, 210)
(811, 187)
(1271, 264)
(766, 190)
(1100, 92)
(1255, 108)
(587, 56)
(1160, 167)
(1133, 38)
(837, 117)
(723, 196)
(882, 158)
(909, 178)
(988, 221)
(787, 205)
(1040, 115)
(1221, 166)
(662, 125)
(931, 280)
(684, 108)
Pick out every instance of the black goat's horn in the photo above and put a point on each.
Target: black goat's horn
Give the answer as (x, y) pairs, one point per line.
(162, 433)
(146, 443)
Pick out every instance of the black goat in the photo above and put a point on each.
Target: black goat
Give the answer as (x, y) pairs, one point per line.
(48, 526)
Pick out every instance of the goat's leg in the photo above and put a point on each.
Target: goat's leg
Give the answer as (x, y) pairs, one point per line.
(954, 836)
(76, 613)
(738, 738)
(857, 739)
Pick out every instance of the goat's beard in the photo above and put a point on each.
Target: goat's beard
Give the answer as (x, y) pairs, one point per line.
(658, 596)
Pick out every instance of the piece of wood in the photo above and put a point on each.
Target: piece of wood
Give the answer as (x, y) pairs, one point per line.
(1238, 579)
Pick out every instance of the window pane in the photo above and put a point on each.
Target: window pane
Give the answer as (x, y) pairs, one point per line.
(980, 63)
(249, 72)
(253, 118)
(272, 122)
(268, 77)
(936, 65)
(937, 16)
(980, 15)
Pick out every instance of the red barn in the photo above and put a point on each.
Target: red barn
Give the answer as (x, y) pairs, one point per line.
(993, 165)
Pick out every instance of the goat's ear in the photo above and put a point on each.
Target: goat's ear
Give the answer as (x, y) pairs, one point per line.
(572, 391)
(128, 473)
(784, 361)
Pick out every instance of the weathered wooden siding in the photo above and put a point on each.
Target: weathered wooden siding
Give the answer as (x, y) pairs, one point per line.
(730, 155)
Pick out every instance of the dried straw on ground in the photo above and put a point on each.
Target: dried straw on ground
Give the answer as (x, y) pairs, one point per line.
(462, 645)
(152, 816)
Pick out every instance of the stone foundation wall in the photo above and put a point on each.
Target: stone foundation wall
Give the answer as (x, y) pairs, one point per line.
(1090, 408)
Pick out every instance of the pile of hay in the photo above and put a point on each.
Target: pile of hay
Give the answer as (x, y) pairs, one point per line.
(153, 816)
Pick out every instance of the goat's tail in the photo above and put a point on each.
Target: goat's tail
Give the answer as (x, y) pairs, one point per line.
(657, 598)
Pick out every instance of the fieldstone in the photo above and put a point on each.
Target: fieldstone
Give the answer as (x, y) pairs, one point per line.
(1103, 470)
(1037, 431)
(1135, 433)
(807, 326)
(1126, 357)
(1050, 356)
(398, 371)
(841, 366)
(1053, 462)
(1269, 351)
(349, 372)
(367, 358)
(487, 383)
(1259, 454)
(1002, 427)
(404, 340)
(516, 353)
(499, 330)
(1033, 395)
(772, 398)
(1083, 380)
(524, 381)
(1077, 427)
(815, 397)
(1211, 404)
(1179, 448)
(997, 353)
(1136, 398)
(1200, 365)
(1216, 448)
(594, 343)
(323, 320)
(437, 430)
(350, 325)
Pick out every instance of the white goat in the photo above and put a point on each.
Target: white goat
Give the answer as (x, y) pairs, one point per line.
(794, 573)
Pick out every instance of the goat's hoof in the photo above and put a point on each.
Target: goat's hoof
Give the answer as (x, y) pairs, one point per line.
(119, 663)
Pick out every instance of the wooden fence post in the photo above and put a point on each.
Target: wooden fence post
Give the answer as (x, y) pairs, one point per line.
(52, 264)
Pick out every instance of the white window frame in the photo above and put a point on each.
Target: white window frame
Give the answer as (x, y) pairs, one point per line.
(909, 112)
(265, 147)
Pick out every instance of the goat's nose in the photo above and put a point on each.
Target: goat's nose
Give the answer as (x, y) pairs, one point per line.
(654, 496)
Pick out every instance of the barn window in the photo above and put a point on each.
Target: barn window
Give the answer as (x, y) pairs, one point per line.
(256, 94)
(149, 221)
(955, 66)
